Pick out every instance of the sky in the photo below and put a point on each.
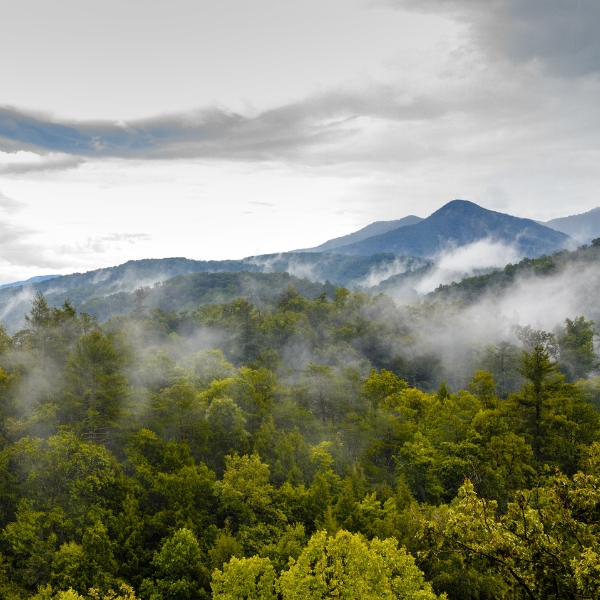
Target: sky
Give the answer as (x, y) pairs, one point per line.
(216, 130)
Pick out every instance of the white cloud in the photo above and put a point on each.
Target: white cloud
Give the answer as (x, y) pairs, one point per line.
(458, 263)
(9, 205)
(388, 113)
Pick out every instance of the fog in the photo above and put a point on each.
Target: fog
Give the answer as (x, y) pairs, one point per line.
(381, 273)
(458, 329)
(457, 263)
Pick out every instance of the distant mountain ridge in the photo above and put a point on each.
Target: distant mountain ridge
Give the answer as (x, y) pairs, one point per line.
(391, 259)
(35, 279)
(82, 288)
(376, 228)
(583, 227)
(460, 223)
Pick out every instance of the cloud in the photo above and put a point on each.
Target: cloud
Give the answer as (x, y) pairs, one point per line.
(476, 113)
(41, 164)
(9, 205)
(131, 238)
(17, 249)
(382, 272)
(457, 263)
(312, 129)
(21, 256)
(563, 36)
(101, 244)
(11, 234)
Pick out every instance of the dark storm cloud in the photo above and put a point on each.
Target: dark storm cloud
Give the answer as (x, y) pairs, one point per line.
(564, 34)
(561, 34)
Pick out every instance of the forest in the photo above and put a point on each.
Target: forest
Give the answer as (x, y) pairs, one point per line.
(292, 447)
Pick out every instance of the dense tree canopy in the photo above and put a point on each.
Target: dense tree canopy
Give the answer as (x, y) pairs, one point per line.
(296, 448)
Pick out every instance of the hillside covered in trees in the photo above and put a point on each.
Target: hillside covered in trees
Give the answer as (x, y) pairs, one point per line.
(565, 262)
(297, 447)
(107, 292)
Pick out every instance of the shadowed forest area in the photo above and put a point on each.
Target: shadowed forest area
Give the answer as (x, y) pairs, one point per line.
(297, 448)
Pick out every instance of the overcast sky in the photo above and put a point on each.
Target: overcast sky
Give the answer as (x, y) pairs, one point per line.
(223, 129)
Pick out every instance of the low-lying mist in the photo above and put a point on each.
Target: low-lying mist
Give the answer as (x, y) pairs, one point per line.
(455, 264)
(454, 332)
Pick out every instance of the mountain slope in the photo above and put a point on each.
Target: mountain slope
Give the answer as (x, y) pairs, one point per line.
(341, 269)
(188, 292)
(36, 279)
(117, 282)
(532, 291)
(376, 228)
(460, 223)
(584, 227)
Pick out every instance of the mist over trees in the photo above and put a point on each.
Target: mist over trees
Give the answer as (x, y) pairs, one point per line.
(296, 446)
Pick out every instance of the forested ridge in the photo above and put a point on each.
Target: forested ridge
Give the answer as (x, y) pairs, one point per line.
(471, 289)
(295, 447)
(106, 292)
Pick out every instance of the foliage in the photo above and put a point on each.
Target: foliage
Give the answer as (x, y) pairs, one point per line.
(344, 566)
(294, 447)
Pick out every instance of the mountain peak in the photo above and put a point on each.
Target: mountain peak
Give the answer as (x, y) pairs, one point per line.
(584, 227)
(375, 228)
(460, 223)
(466, 207)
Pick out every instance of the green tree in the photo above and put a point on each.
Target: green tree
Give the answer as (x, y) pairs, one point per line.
(378, 386)
(5, 342)
(348, 567)
(85, 565)
(65, 475)
(576, 345)
(96, 387)
(322, 386)
(245, 494)
(483, 386)
(537, 368)
(177, 408)
(32, 542)
(544, 546)
(179, 570)
(224, 548)
(502, 361)
(52, 331)
(139, 296)
(226, 431)
(246, 578)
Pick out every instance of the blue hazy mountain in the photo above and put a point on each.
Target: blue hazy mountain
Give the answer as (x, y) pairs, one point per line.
(376, 228)
(399, 256)
(460, 223)
(88, 289)
(584, 227)
(35, 279)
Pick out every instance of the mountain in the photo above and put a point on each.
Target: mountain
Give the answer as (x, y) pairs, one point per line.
(35, 279)
(569, 280)
(460, 223)
(188, 292)
(341, 269)
(376, 228)
(584, 227)
(116, 283)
